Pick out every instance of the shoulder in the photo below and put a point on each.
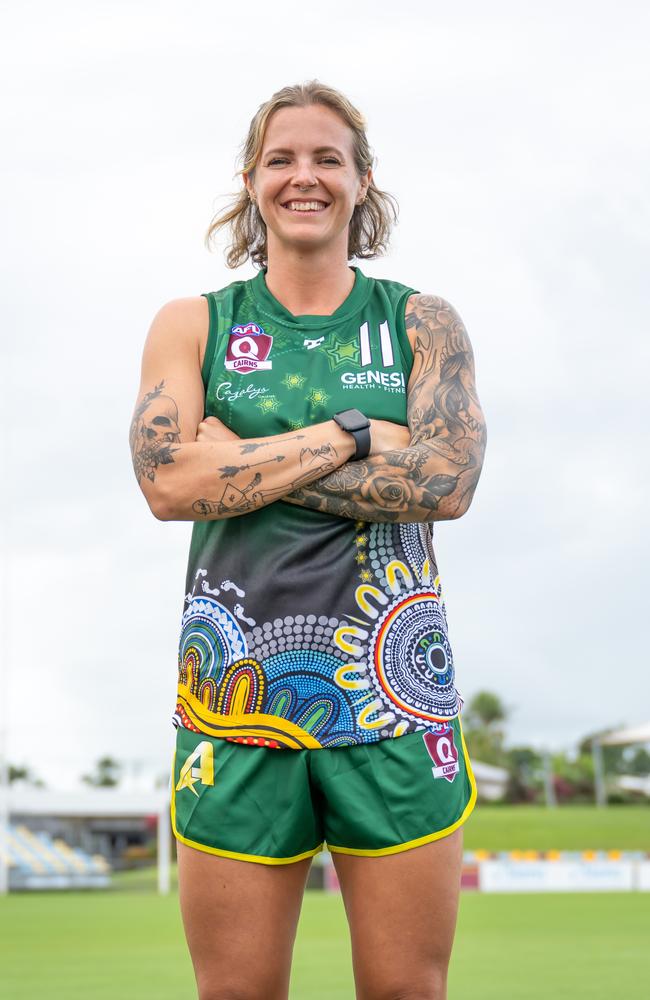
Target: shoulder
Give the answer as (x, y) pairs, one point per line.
(432, 310)
(431, 320)
(183, 314)
(182, 323)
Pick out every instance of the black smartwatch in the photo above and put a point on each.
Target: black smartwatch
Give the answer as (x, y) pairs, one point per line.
(358, 425)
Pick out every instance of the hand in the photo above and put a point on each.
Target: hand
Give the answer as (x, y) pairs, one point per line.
(212, 429)
(386, 436)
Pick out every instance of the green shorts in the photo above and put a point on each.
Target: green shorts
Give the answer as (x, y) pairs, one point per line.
(277, 806)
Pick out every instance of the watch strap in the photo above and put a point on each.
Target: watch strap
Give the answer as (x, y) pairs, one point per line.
(362, 441)
(356, 423)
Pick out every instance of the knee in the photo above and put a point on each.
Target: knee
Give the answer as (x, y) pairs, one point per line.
(433, 987)
(221, 993)
(212, 991)
(223, 990)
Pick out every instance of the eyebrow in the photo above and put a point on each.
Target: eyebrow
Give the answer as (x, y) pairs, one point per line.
(320, 149)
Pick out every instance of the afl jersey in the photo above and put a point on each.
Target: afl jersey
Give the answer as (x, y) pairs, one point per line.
(302, 629)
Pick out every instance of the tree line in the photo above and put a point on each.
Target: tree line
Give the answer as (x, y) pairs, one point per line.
(571, 773)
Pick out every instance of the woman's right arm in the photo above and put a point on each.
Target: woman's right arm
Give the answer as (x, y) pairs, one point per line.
(184, 479)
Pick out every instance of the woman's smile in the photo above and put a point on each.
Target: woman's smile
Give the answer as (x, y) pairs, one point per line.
(305, 207)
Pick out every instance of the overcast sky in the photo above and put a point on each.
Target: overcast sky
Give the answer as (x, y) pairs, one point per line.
(516, 142)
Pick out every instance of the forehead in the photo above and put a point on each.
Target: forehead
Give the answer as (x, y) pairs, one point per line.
(314, 126)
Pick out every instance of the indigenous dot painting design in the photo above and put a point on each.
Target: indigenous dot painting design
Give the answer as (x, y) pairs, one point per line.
(300, 665)
(412, 658)
(278, 676)
(401, 657)
(324, 681)
(210, 636)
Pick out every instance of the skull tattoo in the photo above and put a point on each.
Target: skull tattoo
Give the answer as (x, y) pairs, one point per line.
(154, 428)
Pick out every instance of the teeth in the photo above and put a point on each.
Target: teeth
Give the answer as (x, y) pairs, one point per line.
(306, 206)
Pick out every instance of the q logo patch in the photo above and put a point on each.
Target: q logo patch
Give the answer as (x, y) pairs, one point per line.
(442, 750)
(248, 349)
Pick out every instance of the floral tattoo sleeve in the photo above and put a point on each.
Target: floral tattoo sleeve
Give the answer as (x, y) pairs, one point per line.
(434, 478)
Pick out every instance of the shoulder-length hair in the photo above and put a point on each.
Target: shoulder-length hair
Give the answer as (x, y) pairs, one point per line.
(371, 221)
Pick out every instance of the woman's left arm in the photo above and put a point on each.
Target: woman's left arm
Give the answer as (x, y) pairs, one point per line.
(434, 477)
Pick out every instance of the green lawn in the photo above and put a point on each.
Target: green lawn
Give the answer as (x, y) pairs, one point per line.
(75, 946)
(129, 942)
(501, 828)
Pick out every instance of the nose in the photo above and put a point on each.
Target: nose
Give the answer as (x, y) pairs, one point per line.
(304, 175)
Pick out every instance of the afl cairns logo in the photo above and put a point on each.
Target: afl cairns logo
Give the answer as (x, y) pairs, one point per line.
(248, 349)
(443, 752)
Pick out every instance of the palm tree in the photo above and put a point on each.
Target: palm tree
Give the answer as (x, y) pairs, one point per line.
(481, 718)
(106, 775)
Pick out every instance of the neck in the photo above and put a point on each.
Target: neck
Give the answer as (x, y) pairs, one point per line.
(309, 284)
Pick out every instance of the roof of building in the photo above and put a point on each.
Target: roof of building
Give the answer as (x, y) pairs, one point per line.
(28, 801)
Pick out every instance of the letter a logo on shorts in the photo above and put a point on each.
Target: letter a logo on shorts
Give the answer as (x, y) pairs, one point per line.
(442, 750)
(204, 773)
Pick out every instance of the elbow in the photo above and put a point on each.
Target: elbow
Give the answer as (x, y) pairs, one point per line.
(161, 511)
(461, 507)
(450, 508)
(160, 505)
(157, 491)
(458, 502)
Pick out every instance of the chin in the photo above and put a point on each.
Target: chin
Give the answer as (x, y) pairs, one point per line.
(308, 241)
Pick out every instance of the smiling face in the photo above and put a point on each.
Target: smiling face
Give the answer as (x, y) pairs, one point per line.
(305, 183)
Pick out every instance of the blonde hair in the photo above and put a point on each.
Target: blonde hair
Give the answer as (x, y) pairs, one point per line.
(371, 221)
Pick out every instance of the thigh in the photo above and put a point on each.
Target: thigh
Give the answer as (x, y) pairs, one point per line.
(240, 920)
(402, 910)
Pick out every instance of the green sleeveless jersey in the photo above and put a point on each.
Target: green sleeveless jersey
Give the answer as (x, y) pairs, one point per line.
(302, 629)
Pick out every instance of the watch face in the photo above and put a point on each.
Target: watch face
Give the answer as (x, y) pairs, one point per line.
(352, 420)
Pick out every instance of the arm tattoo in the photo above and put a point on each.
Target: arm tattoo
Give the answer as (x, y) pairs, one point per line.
(154, 428)
(238, 498)
(233, 500)
(228, 471)
(311, 455)
(435, 477)
(250, 446)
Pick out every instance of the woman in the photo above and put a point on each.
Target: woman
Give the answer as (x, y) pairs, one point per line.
(313, 422)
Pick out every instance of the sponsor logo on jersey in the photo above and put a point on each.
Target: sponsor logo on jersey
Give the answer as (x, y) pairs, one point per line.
(248, 348)
(225, 391)
(392, 381)
(311, 344)
(204, 754)
(442, 750)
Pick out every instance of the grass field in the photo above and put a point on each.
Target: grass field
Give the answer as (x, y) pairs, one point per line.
(94, 946)
(501, 828)
(129, 942)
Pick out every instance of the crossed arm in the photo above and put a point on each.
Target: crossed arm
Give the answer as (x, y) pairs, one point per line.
(189, 470)
(434, 477)
(431, 477)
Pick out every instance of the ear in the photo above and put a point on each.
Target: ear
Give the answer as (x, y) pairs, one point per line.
(248, 182)
(364, 184)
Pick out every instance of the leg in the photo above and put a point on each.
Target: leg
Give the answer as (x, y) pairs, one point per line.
(240, 921)
(402, 909)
